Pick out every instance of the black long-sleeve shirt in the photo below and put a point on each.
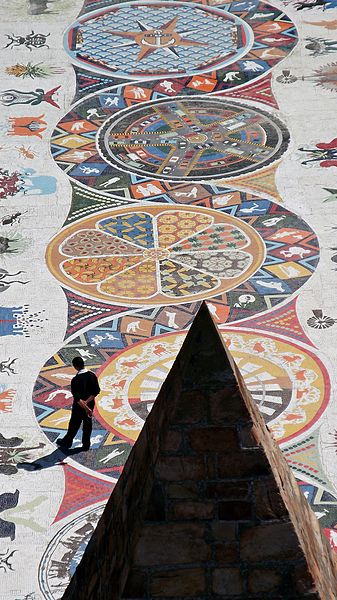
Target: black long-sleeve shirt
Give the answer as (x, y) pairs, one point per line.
(83, 385)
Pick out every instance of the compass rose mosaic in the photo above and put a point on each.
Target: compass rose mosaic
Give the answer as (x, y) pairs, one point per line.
(192, 139)
(146, 40)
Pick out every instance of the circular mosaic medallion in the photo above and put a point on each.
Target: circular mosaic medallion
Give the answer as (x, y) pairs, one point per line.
(192, 139)
(288, 382)
(155, 255)
(64, 552)
(144, 40)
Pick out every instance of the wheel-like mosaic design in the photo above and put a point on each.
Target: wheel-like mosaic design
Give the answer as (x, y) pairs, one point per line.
(159, 255)
(64, 552)
(147, 40)
(287, 382)
(162, 254)
(192, 139)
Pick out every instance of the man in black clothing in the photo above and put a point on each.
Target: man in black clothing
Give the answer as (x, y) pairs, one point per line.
(84, 388)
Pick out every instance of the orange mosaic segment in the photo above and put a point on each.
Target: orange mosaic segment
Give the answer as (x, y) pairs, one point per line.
(177, 225)
(94, 270)
(89, 242)
(137, 282)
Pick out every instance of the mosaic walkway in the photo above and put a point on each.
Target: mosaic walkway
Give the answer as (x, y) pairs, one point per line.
(153, 155)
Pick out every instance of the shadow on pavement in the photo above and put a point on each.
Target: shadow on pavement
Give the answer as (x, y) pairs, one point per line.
(51, 460)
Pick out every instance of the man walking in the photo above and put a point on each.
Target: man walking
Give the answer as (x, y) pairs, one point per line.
(84, 388)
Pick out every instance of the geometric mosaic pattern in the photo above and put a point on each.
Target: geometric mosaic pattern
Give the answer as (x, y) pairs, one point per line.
(154, 155)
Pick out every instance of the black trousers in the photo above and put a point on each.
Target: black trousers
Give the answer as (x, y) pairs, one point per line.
(79, 416)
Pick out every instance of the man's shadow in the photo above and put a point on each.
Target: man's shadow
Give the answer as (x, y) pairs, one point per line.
(51, 460)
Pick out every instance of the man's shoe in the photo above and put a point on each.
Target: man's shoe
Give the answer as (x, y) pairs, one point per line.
(62, 443)
(86, 448)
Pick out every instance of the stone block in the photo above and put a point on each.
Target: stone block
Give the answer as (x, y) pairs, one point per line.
(268, 500)
(171, 442)
(224, 532)
(211, 466)
(235, 510)
(227, 582)
(136, 584)
(171, 544)
(180, 468)
(237, 490)
(302, 580)
(264, 580)
(247, 463)
(226, 553)
(227, 406)
(193, 510)
(191, 408)
(272, 541)
(186, 489)
(186, 583)
(246, 436)
(214, 439)
(156, 504)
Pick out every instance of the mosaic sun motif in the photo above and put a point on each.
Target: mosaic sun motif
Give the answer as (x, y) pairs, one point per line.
(157, 255)
(192, 139)
(145, 40)
(287, 382)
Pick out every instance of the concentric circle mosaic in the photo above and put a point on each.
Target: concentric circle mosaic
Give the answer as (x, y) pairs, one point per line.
(287, 382)
(64, 552)
(192, 139)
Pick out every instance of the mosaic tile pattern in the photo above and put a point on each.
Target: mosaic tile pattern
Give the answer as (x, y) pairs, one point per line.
(154, 155)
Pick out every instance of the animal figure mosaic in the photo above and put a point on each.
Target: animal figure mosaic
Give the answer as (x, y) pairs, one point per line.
(7, 366)
(5, 275)
(319, 46)
(7, 501)
(24, 182)
(27, 126)
(12, 97)
(11, 219)
(30, 41)
(7, 397)
(324, 153)
(40, 7)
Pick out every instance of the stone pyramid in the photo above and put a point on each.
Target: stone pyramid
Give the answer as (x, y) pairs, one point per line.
(206, 506)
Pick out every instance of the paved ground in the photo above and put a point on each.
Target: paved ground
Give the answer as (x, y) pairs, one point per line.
(154, 155)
